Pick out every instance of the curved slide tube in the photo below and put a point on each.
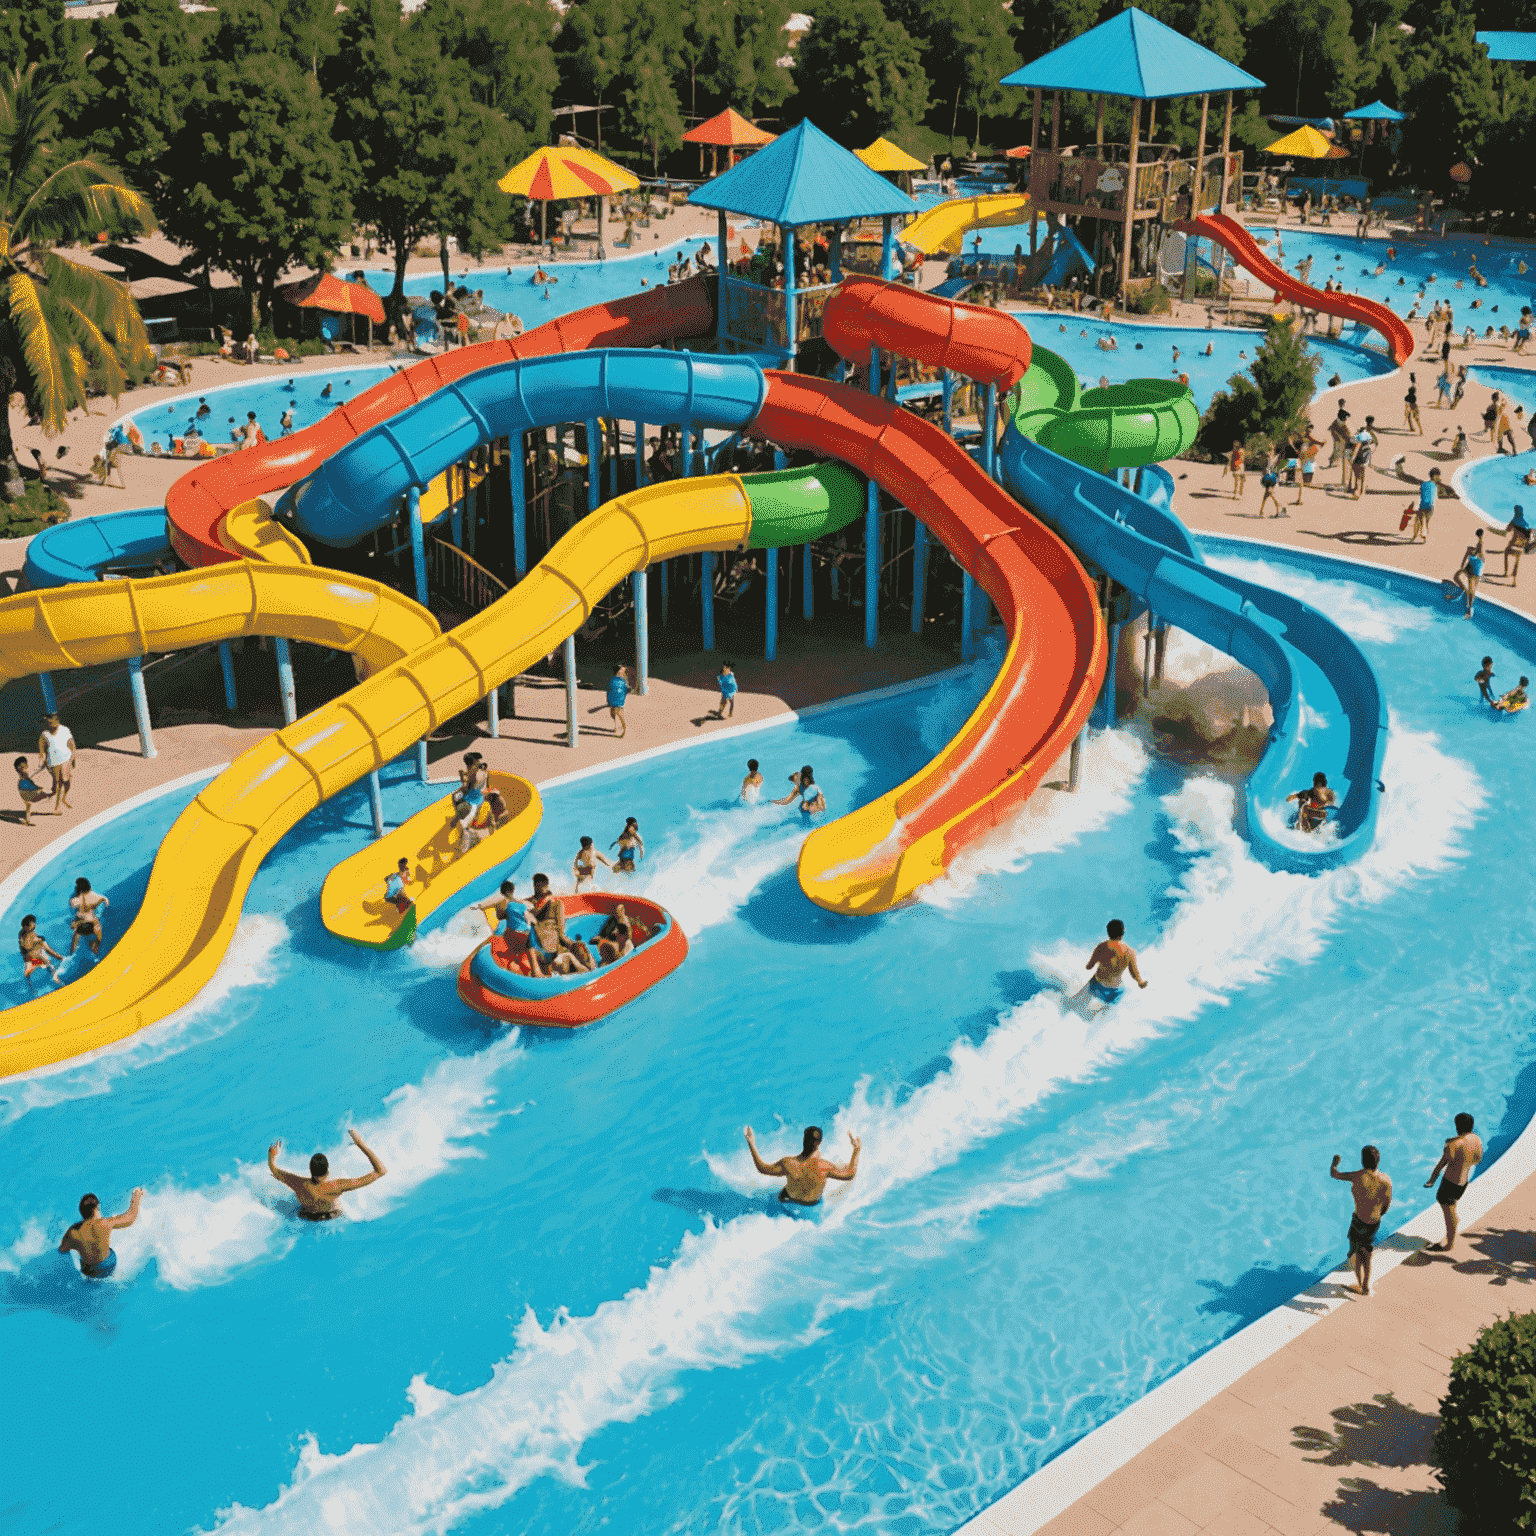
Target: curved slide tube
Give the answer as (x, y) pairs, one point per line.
(1225, 230)
(208, 858)
(1329, 713)
(945, 226)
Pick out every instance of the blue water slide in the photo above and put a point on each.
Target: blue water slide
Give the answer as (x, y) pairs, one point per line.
(83, 549)
(1329, 714)
(360, 487)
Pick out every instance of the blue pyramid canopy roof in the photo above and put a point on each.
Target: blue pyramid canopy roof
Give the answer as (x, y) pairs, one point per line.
(1133, 55)
(803, 177)
(1378, 111)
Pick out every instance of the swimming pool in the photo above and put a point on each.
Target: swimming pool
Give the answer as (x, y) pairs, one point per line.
(269, 395)
(571, 1304)
(1492, 487)
(1146, 352)
(510, 289)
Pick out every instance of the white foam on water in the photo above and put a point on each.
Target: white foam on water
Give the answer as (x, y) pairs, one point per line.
(450, 943)
(1363, 613)
(33, 1241)
(252, 960)
(724, 1298)
(202, 1236)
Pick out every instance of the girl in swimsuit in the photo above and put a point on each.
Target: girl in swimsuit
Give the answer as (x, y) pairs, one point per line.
(86, 904)
(35, 949)
(630, 845)
(586, 862)
(474, 777)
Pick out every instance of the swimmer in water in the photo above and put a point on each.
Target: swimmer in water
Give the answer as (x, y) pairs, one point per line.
(1210, 349)
(805, 1177)
(1109, 962)
(1312, 804)
(317, 1195)
(752, 785)
(631, 846)
(36, 951)
(91, 1236)
(325, 394)
(498, 908)
(1515, 700)
(584, 866)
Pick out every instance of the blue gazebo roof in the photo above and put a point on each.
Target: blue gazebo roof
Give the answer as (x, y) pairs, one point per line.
(1509, 47)
(803, 177)
(1133, 55)
(1378, 111)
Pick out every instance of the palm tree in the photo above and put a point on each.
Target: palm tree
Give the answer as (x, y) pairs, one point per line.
(64, 326)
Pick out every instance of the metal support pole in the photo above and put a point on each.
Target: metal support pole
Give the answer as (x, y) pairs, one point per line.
(1075, 764)
(989, 432)
(572, 729)
(639, 454)
(919, 574)
(687, 450)
(285, 680)
(771, 618)
(967, 617)
(724, 263)
(666, 567)
(887, 248)
(1149, 645)
(493, 714)
(641, 581)
(1162, 654)
(519, 505)
(807, 584)
(707, 597)
(594, 459)
(227, 666)
(376, 801)
(872, 565)
(140, 705)
(418, 544)
(456, 523)
(1104, 710)
(50, 703)
(948, 381)
(421, 760)
(787, 237)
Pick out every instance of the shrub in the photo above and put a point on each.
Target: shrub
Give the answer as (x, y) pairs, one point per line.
(38, 507)
(1154, 299)
(1272, 403)
(1485, 1448)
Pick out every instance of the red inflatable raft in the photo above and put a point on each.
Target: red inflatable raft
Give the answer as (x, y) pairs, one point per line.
(498, 981)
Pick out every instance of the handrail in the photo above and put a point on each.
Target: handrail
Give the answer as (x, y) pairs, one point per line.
(462, 578)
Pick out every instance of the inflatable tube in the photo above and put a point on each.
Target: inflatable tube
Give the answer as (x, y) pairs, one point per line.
(495, 979)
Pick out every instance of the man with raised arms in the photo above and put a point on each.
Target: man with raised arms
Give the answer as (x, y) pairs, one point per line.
(91, 1236)
(1373, 1197)
(805, 1177)
(317, 1195)
(1113, 957)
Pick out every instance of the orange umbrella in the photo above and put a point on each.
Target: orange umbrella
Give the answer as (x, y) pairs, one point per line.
(1018, 152)
(328, 292)
(726, 130)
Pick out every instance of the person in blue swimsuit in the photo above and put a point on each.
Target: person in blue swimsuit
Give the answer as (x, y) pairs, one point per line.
(727, 683)
(1471, 572)
(91, 1236)
(630, 845)
(803, 786)
(473, 777)
(1109, 962)
(618, 692)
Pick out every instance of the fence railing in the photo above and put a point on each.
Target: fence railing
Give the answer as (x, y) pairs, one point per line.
(464, 581)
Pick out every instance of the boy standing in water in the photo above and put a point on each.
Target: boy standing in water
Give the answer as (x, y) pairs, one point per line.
(752, 785)
(1373, 1198)
(1110, 960)
(1484, 681)
(805, 1177)
(91, 1236)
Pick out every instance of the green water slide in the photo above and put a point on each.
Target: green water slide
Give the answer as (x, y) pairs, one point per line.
(794, 506)
(1119, 427)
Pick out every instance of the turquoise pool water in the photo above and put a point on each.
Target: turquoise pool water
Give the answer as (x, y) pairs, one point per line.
(571, 1304)
(1147, 352)
(1494, 486)
(268, 395)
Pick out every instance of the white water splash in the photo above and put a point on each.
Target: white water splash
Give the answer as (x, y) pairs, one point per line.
(1362, 612)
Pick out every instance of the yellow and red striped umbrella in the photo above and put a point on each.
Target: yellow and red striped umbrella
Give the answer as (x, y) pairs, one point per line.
(562, 171)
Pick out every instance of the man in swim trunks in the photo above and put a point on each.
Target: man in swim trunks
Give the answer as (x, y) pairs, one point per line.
(1519, 532)
(618, 692)
(805, 1177)
(91, 1236)
(1484, 680)
(1113, 957)
(546, 927)
(317, 1195)
(35, 950)
(1373, 1198)
(1312, 804)
(1463, 1152)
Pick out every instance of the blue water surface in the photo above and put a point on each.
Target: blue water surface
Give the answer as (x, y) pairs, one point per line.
(1494, 486)
(572, 1305)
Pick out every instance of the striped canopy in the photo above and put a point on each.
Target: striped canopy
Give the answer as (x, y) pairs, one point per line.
(327, 291)
(564, 171)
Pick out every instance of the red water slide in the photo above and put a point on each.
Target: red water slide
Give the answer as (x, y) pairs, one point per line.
(1226, 231)
(203, 496)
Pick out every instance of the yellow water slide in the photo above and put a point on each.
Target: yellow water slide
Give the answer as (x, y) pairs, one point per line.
(417, 680)
(945, 227)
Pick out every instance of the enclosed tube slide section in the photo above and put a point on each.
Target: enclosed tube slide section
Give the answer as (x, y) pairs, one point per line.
(1329, 714)
(945, 226)
(204, 497)
(1225, 230)
(211, 853)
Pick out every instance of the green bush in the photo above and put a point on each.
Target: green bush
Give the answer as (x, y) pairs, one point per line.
(1154, 299)
(1269, 403)
(1485, 1448)
(38, 507)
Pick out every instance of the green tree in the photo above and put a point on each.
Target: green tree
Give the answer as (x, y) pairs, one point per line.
(1268, 404)
(1046, 24)
(862, 71)
(64, 327)
(38, 32)
(651, 112)
(256, 180)
(748, 73)
(507, 49)
(594, 44)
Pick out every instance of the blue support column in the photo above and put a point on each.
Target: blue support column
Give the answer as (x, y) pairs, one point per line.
(967, 616)
(807, 584)
(376, 802)
(666, 566)
(787, 240)
(989, 432)
(887, 249)
(285, 681)
(707, 595)
(724, 262)
(613, 462)
(519, 506)
(641, 581)
(771, 618)
(594, 461)
(418, 544)
(639, 454)
(949, 398)
(835, 252)
(421, 760)
(572, 727)
(687, 432)
(50, 703)
(872, 567)
(1104, 709)
(227, 666)
(140, 705)
(919, 574)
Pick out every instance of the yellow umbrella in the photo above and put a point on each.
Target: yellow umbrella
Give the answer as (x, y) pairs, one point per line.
(1306, 142)
(882, 155)
(564, 171)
